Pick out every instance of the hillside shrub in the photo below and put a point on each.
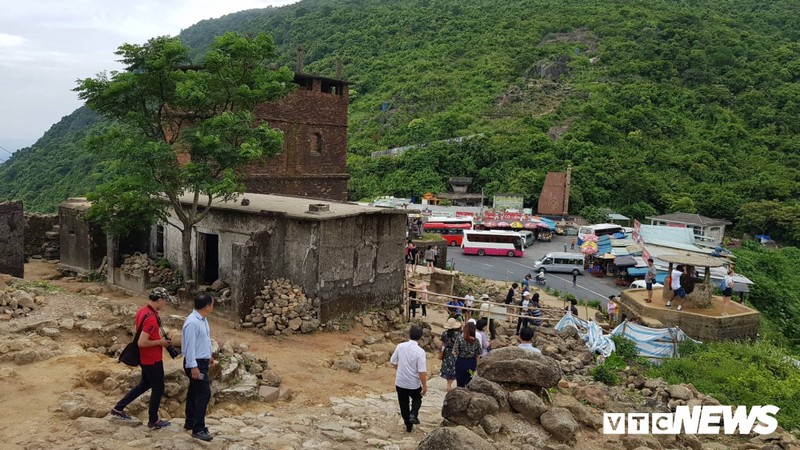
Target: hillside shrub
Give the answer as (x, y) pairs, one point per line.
(739, 373)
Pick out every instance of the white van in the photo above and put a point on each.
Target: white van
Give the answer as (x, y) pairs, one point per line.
(528, 238)
(560, 262)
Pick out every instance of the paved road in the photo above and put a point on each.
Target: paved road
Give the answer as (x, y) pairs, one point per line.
(514, 269)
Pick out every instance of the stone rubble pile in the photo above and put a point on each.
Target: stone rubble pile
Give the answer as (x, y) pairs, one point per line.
(282, 308)
(376, 349)
(16, 302)
(158, 275)
(565, 346)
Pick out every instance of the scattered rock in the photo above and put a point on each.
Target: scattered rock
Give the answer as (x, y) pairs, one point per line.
(454, 438)
(527, 403)
(560, 423)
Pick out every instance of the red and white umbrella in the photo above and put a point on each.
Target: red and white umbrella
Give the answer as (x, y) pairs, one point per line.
(589, 248)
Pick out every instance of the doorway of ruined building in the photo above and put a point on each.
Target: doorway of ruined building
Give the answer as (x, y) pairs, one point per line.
(207, 258)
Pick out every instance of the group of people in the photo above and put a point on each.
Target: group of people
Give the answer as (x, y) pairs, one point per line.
(197, 359)
(462, 347)
(412, 256)
(682, 281)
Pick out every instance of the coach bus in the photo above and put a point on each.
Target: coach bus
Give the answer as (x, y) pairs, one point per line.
(493, 243)
(452, 233)
(598, 230)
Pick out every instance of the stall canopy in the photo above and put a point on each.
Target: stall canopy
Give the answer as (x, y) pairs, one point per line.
(624, 261)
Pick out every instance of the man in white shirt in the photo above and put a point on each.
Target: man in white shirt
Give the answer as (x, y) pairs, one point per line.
(525, 338)
(677, 289)
(411, 381)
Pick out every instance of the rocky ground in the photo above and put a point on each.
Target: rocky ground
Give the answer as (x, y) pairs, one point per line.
(320, 390)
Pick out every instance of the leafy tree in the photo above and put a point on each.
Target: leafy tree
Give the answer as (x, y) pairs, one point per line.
(181, 129)
(594, 214)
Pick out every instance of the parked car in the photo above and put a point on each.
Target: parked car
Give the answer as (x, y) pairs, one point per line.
(640, 284)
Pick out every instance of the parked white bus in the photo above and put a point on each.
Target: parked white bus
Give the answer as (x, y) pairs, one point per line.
(601, 229)
(493, 243)
(560, 262)
(528, 238)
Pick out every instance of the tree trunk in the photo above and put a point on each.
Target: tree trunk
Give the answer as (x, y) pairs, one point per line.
(186, 253)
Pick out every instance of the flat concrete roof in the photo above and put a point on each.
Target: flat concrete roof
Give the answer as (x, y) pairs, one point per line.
(76, 203)
(283, 205)
(292, 207)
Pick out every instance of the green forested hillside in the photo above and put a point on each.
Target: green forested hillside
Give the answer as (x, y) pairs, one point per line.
(658, 106)
(55, 167)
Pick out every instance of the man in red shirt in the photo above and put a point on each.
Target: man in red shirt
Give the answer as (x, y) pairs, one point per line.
(150, 360)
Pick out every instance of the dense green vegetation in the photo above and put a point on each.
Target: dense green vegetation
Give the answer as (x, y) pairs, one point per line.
(776, 292)
(739, 374)
(659, 106)
(56, 167)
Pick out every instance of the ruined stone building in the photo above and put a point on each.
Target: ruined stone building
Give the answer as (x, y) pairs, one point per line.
(346, 256)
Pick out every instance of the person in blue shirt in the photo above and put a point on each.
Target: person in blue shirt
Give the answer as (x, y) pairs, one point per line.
(454, 308)
(197, 359)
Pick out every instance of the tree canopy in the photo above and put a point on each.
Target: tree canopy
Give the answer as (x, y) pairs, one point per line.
(179, 128)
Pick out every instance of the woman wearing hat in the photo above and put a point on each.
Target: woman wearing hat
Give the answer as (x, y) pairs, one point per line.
(452, 330)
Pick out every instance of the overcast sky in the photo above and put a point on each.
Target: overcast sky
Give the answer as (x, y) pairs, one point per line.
(45, 45)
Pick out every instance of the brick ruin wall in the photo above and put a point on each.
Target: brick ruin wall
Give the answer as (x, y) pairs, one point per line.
(313, 162)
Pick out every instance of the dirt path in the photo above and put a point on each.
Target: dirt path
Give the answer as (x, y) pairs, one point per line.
(31, 392)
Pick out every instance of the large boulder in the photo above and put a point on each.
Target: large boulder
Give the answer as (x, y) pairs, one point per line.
(520, 367)
(527, 403)
(464, 407)
(454, 438)
(560, 423)
(490, 388)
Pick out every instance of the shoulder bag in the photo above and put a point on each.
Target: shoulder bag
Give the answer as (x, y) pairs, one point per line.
(130, 354)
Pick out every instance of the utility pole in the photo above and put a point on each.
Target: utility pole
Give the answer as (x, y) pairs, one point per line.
(567, 185)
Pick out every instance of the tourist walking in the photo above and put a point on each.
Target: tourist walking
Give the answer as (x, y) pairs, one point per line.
(524, 312)
(151, 345)
(196, 346)
(411, 379)
(650, 279)
(526, 338)
(486, 344)
(535, 310)
(574, 278)
(430, 256)
(452, 330)
(485, 315)
(726, 293)
(510, 300)
(677, 289)
(469, 302)
(466, 350)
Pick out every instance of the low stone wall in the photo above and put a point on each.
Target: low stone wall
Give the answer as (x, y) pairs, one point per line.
(742, 323)
(137, 281)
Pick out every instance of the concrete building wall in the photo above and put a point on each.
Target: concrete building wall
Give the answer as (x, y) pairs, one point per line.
(349, 264)
(12, 239)
(83, 245)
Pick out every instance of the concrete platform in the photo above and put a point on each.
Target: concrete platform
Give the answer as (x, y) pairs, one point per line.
(705, 324)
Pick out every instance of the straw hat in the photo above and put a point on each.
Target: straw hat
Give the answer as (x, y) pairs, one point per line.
(452, 324)
(485, 297)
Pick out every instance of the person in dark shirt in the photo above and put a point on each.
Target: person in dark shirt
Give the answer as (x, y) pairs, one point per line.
(573, 307)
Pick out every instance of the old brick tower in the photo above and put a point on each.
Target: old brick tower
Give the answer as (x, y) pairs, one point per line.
(313, 162)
